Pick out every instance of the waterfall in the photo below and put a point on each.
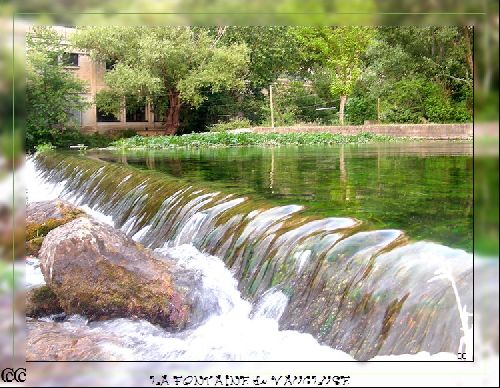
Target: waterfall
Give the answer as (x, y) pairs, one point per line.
(365, 292)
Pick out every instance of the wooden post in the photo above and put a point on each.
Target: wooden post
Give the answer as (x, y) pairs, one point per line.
(271, 173)
(378, 110)
(271, 104)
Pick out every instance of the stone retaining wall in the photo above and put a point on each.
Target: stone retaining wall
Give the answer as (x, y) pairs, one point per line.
(431, 131)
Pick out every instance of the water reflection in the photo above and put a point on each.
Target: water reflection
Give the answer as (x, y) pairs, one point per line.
(424, 188)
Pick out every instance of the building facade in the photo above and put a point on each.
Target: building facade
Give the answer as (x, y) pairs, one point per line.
(141, 119)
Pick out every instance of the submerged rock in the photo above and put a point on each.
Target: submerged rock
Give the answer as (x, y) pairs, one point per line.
(42, 217)
(100, 273)
(52, 341)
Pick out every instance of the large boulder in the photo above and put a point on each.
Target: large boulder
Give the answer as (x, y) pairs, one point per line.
(100, 273)
(42, 217)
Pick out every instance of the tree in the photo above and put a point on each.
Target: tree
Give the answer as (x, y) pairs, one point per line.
(420, 73)
(182, 64)
(339, 51)
(52, 92)
(273, 52)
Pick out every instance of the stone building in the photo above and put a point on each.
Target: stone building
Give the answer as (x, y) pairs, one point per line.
(141, 119)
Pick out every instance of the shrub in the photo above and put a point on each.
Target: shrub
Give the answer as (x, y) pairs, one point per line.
(360, 108)
(129, 132)
(227, 139)
(45, 147)
(295, 103)
(63, 138)
(229, 125)
(417, 100)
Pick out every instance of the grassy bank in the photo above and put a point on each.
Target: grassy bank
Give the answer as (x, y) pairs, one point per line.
(224, 139)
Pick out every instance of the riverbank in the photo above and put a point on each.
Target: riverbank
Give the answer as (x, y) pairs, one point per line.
(315, 135)
(413, 131)
(235, 139)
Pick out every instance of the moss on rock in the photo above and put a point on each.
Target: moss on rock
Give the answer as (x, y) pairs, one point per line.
(42, 301)
(99, 272)
(42, 217)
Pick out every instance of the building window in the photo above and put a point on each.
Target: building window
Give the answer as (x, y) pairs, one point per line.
(160, 116)
(160, 107)
(110, 64)
(70, 59)
(136, 111)
(75, 116)
(103, 117)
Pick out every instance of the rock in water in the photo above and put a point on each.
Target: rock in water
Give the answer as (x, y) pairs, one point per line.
(51, 341)
(42, 217)
(99, 272)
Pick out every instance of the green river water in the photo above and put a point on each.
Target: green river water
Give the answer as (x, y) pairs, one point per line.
(422, 188)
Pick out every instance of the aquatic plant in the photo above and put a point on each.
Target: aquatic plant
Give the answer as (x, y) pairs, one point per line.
(45, 147)
(225, 139)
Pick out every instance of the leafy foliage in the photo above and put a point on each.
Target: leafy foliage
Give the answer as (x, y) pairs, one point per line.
(360, 108)
(227, 139)
(229, 125)
(198, 77)
(339, 51)
(158, 61)
(417, 100)
(44, 148)
(52, 92)
(420, 73)
(273, 52)
(295, 102)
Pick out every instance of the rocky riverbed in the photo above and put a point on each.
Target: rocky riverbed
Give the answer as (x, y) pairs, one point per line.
(98, 273)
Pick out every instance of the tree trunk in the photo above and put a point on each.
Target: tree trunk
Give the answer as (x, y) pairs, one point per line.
(174, 109)
(468, 50)
(343, 100)
(240, 113)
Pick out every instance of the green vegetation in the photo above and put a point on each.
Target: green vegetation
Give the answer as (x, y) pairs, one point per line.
(45, 147)
(229, 125)
(227, 139)
(72, 136)
(330, 75)
(197, 79)
(179, 63)
(42, 301)
(337, 52)
(52, 93)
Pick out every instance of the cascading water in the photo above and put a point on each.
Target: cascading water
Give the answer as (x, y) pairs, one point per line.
(364, 292)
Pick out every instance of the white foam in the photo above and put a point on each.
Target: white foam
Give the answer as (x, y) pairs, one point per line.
(234, 331)
(37, 189)
(33, 275)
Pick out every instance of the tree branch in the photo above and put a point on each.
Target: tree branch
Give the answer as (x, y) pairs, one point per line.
(221, 30)
(467, 81)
